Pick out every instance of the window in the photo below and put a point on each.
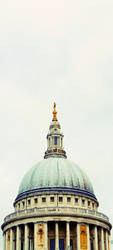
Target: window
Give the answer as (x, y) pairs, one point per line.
(88, 203)
(18, 205)
(83, 202)
(55, 140)
(35, 200)
(68, 199)
(76, 200)
(29, 202)
(93, 205)
(23, 203)
(43, 199)
(52, 199)
(60, 199)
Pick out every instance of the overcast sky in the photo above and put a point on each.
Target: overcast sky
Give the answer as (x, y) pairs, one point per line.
(56, 51)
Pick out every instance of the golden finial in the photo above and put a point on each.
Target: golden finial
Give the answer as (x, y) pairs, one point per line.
(54, 113)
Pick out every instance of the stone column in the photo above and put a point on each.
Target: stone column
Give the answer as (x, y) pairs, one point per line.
(46, 236)
(95, 238)
(31, 244)
(56, 236)
(102, 239)
(35, 236)
(26, 235)
(88, 238)
(11, 239)
(6, 244)
(67, 236)
(4, 241)
(106, 240)
(78, 236)
(18, 242)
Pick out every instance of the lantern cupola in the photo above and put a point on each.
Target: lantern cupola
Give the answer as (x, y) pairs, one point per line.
(55, 138)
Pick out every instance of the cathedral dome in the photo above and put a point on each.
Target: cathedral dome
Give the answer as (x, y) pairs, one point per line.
(56, 207)
(56, 174)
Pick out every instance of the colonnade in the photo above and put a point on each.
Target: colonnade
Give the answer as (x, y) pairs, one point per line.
(13, 239)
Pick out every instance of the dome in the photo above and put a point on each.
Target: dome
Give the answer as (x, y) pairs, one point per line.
(56, 174)
(56, 207)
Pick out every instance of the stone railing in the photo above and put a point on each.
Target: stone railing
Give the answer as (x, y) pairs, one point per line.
(49, 211)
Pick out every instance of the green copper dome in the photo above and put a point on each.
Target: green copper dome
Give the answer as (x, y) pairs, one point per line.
(56, 173)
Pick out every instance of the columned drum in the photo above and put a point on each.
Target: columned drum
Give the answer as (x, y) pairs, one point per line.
(56, 207)
(56, 235)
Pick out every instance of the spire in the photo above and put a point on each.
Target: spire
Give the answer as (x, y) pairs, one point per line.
(55, 139)
(54, 113)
